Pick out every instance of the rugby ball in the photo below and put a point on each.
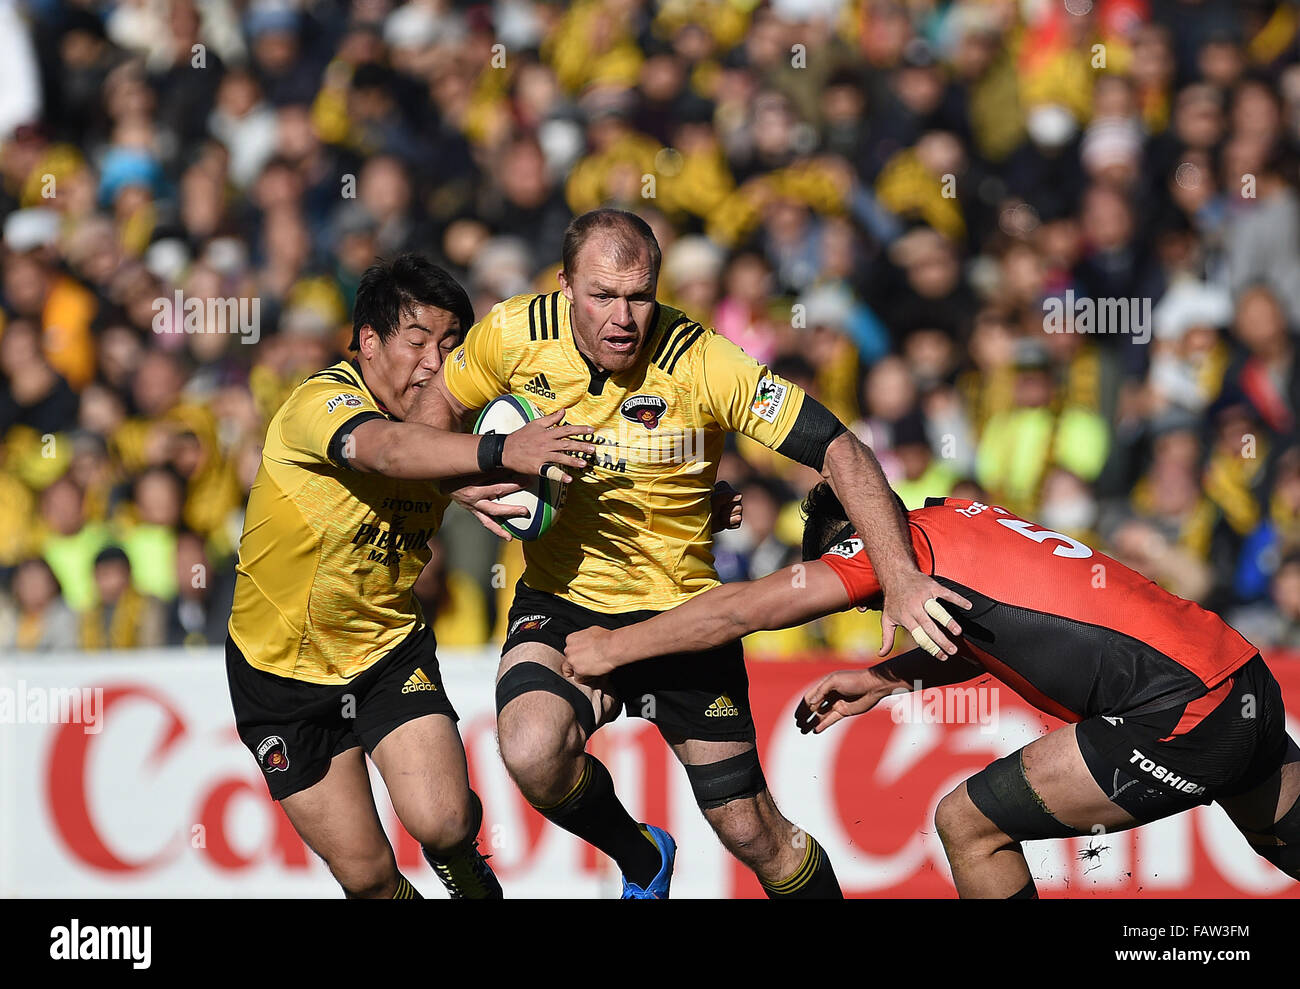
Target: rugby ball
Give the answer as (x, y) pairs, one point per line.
(543, 498)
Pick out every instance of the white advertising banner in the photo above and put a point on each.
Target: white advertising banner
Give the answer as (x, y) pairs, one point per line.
(122, 776)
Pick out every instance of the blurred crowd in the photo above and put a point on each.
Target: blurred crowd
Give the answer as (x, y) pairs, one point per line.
(898, 205)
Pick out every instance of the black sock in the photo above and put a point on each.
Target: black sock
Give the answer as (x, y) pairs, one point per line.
(592, 811)
(813, 880)
(1027, 892)
(405, 891)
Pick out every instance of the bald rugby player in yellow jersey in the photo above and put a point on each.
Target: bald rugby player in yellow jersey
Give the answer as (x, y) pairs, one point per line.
(328, 656)
(661, 393)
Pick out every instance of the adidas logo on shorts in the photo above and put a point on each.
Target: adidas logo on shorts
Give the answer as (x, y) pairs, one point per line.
(540, 386)
(722, 708)
(418, 681)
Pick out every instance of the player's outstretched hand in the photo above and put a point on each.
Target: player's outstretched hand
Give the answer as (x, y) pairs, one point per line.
(480, 500)
(912, 604)
(839, 695)
(586, 654)
(530, 448)
(728, 512)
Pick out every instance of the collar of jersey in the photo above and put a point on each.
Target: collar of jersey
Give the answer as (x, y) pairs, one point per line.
(362, 378)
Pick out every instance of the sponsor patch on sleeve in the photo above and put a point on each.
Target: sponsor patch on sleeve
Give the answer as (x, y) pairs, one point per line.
(847, 549)
(347, 400)
(768, 399)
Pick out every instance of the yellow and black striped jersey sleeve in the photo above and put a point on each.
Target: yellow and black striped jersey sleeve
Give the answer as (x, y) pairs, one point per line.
(743, 396)
(329, 555)
(318, 415)
(476, 372)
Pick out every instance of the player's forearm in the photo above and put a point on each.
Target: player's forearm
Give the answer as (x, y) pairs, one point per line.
(411, 451)
(707, 621)
(918, 670)
(855, 476)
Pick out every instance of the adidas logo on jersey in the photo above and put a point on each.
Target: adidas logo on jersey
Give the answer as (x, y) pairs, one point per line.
(722, 708)
(540, 386)
(418, 681)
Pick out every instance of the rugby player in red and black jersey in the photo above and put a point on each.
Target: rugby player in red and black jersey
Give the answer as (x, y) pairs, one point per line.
(1167, 707)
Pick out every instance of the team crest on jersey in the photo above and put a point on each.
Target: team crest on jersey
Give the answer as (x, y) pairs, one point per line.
(271, 754)
(645, 409)
(346, 399)
(768, 399)
(527, 623)
(847, 549)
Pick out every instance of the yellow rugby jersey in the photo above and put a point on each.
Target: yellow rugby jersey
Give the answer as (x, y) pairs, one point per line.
(329, 554)
(634, 532)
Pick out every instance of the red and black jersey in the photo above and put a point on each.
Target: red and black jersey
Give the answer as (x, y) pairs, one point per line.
(1071, 630)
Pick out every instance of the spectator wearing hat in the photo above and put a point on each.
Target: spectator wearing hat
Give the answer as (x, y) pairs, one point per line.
(1189, 357)
(288, 72)
(690, 277)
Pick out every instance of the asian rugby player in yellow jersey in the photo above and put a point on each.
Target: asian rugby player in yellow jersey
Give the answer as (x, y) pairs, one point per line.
(328, 656)
(661, 392)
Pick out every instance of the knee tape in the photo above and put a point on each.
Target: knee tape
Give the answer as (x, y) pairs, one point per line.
(524, 678)
(717, 783)
(1004, 796)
